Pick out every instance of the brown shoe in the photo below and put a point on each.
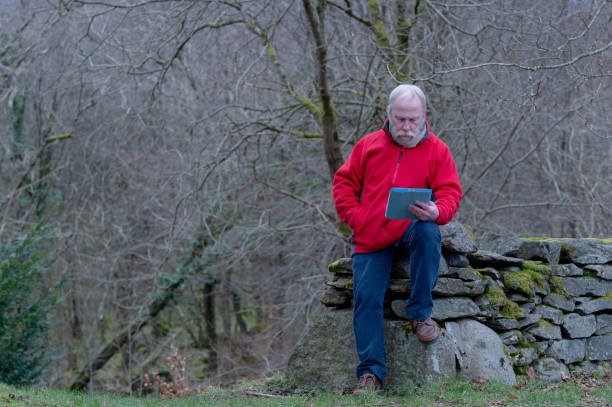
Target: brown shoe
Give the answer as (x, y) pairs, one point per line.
(427, 331)
(368, 382)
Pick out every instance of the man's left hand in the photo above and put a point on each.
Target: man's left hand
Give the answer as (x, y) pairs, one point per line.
(425, 212)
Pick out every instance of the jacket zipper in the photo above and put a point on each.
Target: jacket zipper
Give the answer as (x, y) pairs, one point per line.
(397, 167)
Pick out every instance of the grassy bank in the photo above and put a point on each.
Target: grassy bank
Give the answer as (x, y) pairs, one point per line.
(593, 389)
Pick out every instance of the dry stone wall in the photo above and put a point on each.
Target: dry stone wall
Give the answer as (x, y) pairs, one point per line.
(548, 300)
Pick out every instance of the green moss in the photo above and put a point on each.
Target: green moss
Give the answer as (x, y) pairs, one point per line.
(340, 265)
(523, 344)
(529, 277)
(557, 286)
(546, 325)
(507, 308)
(521, 370)
(608, 296)
(496, 295)
(470, 232)
(607, 240)
(510, 309)
(507, 353)
(479, 270)
(520, 281)
(272, 53)
(519, 334)
(537, 267)
(407, 328)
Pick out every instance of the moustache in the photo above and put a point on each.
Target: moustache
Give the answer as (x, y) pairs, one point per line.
(406, 134)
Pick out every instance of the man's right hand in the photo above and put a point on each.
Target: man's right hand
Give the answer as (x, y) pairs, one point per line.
(425, 212)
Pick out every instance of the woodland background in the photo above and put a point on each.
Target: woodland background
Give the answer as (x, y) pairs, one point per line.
(165, 166)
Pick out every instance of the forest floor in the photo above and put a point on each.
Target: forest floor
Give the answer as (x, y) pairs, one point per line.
(582, 389)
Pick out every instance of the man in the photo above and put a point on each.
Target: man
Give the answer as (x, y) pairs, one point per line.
(404, 153)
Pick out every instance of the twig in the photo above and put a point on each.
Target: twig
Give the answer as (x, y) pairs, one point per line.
(256, 394)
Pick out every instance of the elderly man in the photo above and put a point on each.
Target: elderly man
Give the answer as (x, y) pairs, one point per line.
(404, 153)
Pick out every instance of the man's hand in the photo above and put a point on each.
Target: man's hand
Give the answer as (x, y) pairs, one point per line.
(425, 212)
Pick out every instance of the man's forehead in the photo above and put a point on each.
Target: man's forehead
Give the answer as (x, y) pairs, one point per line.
(407, 103)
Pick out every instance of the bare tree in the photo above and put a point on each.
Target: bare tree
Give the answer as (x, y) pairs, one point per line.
(141, 126)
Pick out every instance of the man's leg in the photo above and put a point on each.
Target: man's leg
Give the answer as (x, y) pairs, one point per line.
(370, 281)
(423, 241)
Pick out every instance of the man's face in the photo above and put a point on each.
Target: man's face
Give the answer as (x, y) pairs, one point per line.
(407, 116)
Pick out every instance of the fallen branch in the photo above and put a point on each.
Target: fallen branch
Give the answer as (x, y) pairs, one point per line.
(255, 394)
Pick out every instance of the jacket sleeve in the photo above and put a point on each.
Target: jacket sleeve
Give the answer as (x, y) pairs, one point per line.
(347, 184)
(446, 186)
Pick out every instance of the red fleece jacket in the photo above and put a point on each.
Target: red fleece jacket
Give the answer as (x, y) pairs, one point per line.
(361, 186)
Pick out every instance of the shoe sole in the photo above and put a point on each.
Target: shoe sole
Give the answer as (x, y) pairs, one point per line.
(430, 341)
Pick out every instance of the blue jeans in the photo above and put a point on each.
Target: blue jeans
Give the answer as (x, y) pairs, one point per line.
(371, 274)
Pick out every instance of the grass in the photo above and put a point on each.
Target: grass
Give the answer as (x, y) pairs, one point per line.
(592, 389)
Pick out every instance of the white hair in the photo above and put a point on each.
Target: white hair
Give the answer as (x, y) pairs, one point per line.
(405, 91)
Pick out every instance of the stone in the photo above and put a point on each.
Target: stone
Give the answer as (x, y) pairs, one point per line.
(479, 352)
(326, 358)
(544, 290)
(342, 266)
(560, 302)
(541, 346)
(588, 367)
(597, 305)
(525, 356)
(341, 284)
(443, 269)
(566, 270)
(336, 298)
(456, 259)
(487, 308)
(585, 286)
(549, 313)
(545, 330)
(490, 272)
(604, 271)
(599, 348)
(567, 351)
(510, 337)
(550, 370)
(457, 287)
(529, 338)
(528, 320)
(500, 244)
(503, 324)
(463, 273)
(455, 238)
(527, 307)
(586, 251)
(400, 268)
(410, 361)
(453, 308)
(578, 326)
(604, 324)
(544, 250)
(518, 298)
(485, 258)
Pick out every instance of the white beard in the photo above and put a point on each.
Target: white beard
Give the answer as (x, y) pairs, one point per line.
(408, 139)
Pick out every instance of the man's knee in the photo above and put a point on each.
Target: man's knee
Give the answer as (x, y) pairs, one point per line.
(429, 231)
